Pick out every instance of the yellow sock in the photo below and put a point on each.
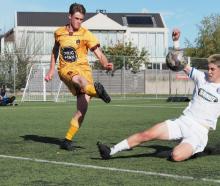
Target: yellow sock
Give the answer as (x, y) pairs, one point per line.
(90, 90)
(74, 127)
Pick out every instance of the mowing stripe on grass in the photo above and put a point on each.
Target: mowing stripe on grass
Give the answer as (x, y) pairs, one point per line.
(110, 169)
(149, 106)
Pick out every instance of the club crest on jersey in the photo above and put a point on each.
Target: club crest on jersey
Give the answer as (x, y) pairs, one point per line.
(69, 54)
(218, 90)
(207, 96)
(77, 41)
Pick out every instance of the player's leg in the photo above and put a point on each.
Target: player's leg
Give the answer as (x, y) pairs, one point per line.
(94, 90)
(84, 85)
(182, 152)
(5, 101)
(76, 121)
(81, 78)
(158, 131)
(101, 92)
(195, 139)
(11, 99)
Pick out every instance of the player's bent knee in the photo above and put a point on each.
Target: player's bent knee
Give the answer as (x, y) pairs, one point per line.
(79, 80)
(79, 114)
(179, 156)
(182, 152)
(75, 79)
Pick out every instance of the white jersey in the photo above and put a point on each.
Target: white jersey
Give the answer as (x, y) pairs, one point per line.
(205, 104)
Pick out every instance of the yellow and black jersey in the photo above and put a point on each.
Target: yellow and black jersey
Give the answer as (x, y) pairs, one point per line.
(73, 47)
(73, 50)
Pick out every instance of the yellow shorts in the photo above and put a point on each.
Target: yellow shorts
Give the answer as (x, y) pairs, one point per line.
(67, 72)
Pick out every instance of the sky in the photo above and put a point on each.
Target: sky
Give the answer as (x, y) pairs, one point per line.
(185, 15)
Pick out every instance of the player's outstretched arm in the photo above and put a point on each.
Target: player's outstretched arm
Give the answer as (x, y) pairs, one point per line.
(103, 60)
(175, 37)
(187, 69)
(54, 56)
(176, 46)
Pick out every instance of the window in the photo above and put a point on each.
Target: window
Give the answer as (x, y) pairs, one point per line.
(21, 41)
(112, 38)
(39, 43)
(140, 21)
(109, 38)
(29, 40)
(49, 42)
(134, 39)
(160, 49)
(153, 42)
(120, 37)
(142, 40)
(103, 39)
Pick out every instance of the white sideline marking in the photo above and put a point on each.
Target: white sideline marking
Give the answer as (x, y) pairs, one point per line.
(111, 105)
(110, 169)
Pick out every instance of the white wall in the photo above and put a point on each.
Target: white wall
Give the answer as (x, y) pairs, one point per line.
(154, 40)
(109, 38)
(35, 40)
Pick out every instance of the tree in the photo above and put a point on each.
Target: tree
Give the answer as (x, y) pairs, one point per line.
(16, 61)
(127, 56)
(6, 67)
(208, 40)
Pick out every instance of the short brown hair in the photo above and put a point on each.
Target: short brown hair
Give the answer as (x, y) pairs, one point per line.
(215, 59)
(75, 7)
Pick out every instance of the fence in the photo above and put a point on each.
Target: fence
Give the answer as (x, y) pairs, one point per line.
(29, 85)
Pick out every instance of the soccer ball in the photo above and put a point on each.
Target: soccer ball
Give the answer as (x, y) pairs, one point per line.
(175, 60)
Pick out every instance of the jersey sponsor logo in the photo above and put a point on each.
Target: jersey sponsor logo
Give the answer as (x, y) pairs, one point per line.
(69, 54)
(207, 96)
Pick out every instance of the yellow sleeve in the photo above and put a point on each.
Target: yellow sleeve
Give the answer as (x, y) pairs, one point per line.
(60, 31)
(92, 41)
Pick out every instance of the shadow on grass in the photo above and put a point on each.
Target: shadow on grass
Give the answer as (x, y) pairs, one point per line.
(46, 139)
(165, 152)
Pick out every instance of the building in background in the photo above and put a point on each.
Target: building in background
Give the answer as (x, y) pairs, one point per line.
(33, 32)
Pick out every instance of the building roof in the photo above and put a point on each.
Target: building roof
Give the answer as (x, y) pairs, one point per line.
(9, 35)
(118, 17)
(103, 22)
(60, 19)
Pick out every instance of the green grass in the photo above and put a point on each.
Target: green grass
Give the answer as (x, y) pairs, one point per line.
(34, 130)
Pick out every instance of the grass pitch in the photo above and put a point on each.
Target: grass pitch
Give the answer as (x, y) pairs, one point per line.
(30, 134)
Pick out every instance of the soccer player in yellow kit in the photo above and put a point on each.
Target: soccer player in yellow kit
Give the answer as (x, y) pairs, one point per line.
(71, 45)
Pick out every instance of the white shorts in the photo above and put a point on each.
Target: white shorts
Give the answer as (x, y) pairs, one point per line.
(189, 131)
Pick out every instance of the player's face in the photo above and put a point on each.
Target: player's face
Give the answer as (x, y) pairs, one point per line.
(213, 73)
(76, 20)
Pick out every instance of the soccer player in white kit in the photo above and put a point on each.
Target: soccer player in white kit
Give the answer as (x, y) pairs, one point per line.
(193, 125)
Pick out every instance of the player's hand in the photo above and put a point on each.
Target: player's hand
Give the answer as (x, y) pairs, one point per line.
(109, 66)
(49, 76)
(175, 34)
